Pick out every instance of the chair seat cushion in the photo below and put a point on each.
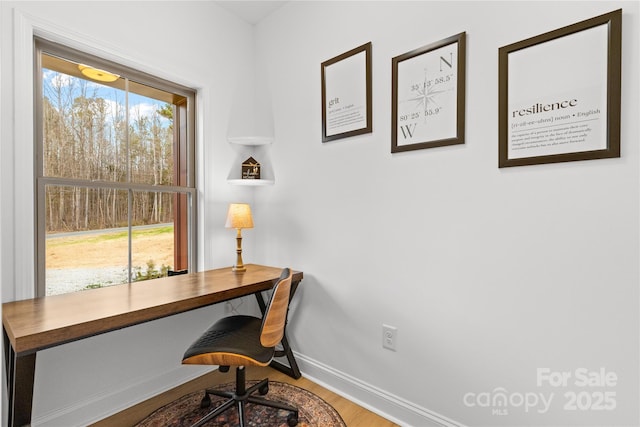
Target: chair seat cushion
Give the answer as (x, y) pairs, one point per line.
(233, 340)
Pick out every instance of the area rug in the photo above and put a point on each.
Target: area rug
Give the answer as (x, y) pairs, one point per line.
(313, 411)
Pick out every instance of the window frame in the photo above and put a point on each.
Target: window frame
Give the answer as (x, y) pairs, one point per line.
(184, 155)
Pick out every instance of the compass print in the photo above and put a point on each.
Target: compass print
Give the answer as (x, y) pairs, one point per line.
(428, 92)
(424, 94)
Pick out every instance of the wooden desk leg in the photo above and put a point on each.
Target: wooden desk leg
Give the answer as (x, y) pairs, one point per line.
(292, 370)
(20, 371)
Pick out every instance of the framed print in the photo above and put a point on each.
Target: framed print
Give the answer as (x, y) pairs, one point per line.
(559, 94)
(346, 94)
(428, 96)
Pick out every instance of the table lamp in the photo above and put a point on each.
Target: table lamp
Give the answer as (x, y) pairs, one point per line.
(239, 217)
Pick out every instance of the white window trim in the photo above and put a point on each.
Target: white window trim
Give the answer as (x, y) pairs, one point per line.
(22, 270)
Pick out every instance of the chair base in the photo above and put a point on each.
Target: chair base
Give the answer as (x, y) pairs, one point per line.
(239, 399)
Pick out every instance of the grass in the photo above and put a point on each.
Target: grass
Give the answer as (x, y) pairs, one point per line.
(110, 249)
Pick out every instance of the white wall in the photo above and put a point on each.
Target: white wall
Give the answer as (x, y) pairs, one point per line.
(488, 274)
(193, 43)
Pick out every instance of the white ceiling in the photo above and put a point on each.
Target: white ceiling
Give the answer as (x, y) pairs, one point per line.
(251, 11)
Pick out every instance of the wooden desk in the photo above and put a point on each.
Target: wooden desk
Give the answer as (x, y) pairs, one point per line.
(40, 323)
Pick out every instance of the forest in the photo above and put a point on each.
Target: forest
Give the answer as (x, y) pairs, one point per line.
(91, 140)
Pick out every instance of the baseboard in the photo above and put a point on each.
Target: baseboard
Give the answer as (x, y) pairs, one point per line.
(100, 406)
(387, 405)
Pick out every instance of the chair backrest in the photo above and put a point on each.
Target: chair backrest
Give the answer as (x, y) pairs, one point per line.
(275, 316)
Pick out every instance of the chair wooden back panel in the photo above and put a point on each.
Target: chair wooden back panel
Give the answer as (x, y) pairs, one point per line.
(275, 317)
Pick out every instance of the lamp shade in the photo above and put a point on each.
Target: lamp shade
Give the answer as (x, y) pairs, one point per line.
(239, 216)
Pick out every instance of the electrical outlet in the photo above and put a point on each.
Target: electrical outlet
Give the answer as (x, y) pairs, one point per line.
(389, 337)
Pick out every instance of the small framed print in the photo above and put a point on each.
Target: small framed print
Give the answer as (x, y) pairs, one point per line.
(428, 96)
(346, 94)
(559, 94)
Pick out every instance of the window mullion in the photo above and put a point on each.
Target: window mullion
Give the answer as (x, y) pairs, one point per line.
(130, 192)
(130, 235)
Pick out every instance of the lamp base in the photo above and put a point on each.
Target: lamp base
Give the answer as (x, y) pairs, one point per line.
(239, 267)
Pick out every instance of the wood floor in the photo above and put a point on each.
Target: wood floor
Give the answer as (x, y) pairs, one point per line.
(352, 414)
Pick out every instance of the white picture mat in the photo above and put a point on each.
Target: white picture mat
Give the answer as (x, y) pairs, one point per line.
(433, 117)
(346, 95)
(570, 70)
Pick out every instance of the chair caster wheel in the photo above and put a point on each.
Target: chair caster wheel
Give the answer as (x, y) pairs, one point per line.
(292, 420)
(264, 389)
(205, 402)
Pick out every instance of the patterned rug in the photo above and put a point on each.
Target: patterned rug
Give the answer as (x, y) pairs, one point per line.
(313, 411)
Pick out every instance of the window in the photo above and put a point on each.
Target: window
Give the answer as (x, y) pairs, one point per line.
(115, 173)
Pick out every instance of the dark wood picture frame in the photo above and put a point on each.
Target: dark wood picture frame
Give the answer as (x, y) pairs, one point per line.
(342, 115)
(417, 120)
(517, 125)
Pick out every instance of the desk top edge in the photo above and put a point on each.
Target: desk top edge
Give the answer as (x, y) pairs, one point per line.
(144, 305)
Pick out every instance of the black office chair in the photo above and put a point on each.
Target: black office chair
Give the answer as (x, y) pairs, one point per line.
(244, 341)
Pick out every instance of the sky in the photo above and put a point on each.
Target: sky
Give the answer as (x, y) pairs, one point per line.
(53, 80)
